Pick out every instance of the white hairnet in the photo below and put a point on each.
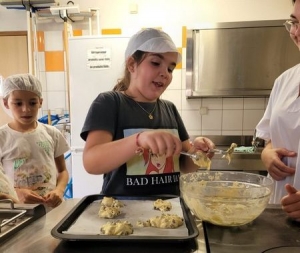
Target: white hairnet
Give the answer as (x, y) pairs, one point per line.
(151, 40)
(25, 82)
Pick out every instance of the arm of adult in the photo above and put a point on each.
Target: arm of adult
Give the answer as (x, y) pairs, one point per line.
(291, 202)
(272, 159)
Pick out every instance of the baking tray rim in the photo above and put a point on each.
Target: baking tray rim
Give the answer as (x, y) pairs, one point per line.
(69, 218)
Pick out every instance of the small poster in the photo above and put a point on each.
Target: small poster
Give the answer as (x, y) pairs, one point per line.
(99, 58)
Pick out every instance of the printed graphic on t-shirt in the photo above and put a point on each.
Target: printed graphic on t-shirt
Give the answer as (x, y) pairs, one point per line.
(45, 145)
(151, 169)
(31, 173)
(157, 164)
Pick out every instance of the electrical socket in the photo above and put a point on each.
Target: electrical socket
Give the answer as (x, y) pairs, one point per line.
(203, 110)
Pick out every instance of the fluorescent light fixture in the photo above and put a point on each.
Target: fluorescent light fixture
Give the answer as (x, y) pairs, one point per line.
(55, 10)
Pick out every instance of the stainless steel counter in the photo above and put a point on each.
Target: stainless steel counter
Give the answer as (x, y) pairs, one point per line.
(247, 162)
(37, 238)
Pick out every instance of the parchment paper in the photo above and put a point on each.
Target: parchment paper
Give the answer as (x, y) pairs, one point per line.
(89, 223)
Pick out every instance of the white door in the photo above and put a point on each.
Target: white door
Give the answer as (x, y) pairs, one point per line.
(84, 183)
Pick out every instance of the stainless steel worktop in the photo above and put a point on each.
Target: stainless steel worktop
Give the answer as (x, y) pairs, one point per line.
(247, 162)
(37, 238)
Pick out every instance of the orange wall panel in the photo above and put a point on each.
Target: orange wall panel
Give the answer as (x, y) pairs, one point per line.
(116, 31)
(184, 35)
(54, 61)
(77, 32)
(179, 65)
(40, 41)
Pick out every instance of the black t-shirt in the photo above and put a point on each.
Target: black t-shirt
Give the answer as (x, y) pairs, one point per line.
(147, 174)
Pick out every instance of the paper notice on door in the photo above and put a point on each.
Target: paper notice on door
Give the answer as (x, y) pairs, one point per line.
(99, 58)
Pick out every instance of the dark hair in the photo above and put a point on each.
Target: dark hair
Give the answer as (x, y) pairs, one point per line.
(294, 1)
(124, 82)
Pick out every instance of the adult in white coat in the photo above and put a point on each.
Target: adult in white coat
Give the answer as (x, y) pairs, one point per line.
(280, 128)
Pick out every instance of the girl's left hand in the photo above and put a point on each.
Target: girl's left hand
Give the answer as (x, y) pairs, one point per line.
(291, 202)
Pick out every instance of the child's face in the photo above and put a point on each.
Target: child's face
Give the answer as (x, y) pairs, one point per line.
(153, 75)
(24, 106)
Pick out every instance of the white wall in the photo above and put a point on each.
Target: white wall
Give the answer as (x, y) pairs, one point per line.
(226, 116)
(167, 12)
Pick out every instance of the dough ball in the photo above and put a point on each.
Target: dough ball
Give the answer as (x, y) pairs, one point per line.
(109, 212)
(162, 205)
(163, 221)
(111, 202)
(117, 228)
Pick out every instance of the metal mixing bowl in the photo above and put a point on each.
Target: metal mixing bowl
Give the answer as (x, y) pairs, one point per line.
(226, 198)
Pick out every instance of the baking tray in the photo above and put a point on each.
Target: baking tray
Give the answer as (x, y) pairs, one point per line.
(59, 231)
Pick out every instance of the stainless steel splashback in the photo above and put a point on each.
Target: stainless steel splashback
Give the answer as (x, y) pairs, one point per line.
(237, 59)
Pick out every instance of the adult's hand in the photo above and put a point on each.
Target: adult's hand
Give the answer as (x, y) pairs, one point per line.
(272, 159)
(291, 202)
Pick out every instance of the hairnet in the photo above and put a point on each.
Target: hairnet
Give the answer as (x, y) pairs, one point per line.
(25, 82)
(153, 41)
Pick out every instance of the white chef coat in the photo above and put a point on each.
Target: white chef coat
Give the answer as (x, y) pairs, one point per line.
(281, 125)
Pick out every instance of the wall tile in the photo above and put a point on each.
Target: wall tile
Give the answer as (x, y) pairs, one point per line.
(226, 116)
(85, 33)
(254, 103)
(45, 101)
(77, 32)
(248, 132)
(56, 99)
(235, 132)
(192, 120)
(56, 81)
(111, 31)
(212, 103)
(183, 79)
(193, 133)
(190, 104)
(54, 61)
(176, 81)
(40, 39)
(179, 64)
(251, 118)
(183, 56)
(174, 96)
(43, 79)
(233, 103)
(175, 33)
(54, 40)
(211, 132)
(41, 61)
(184, 36)
(232, 120)
(212, 121)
